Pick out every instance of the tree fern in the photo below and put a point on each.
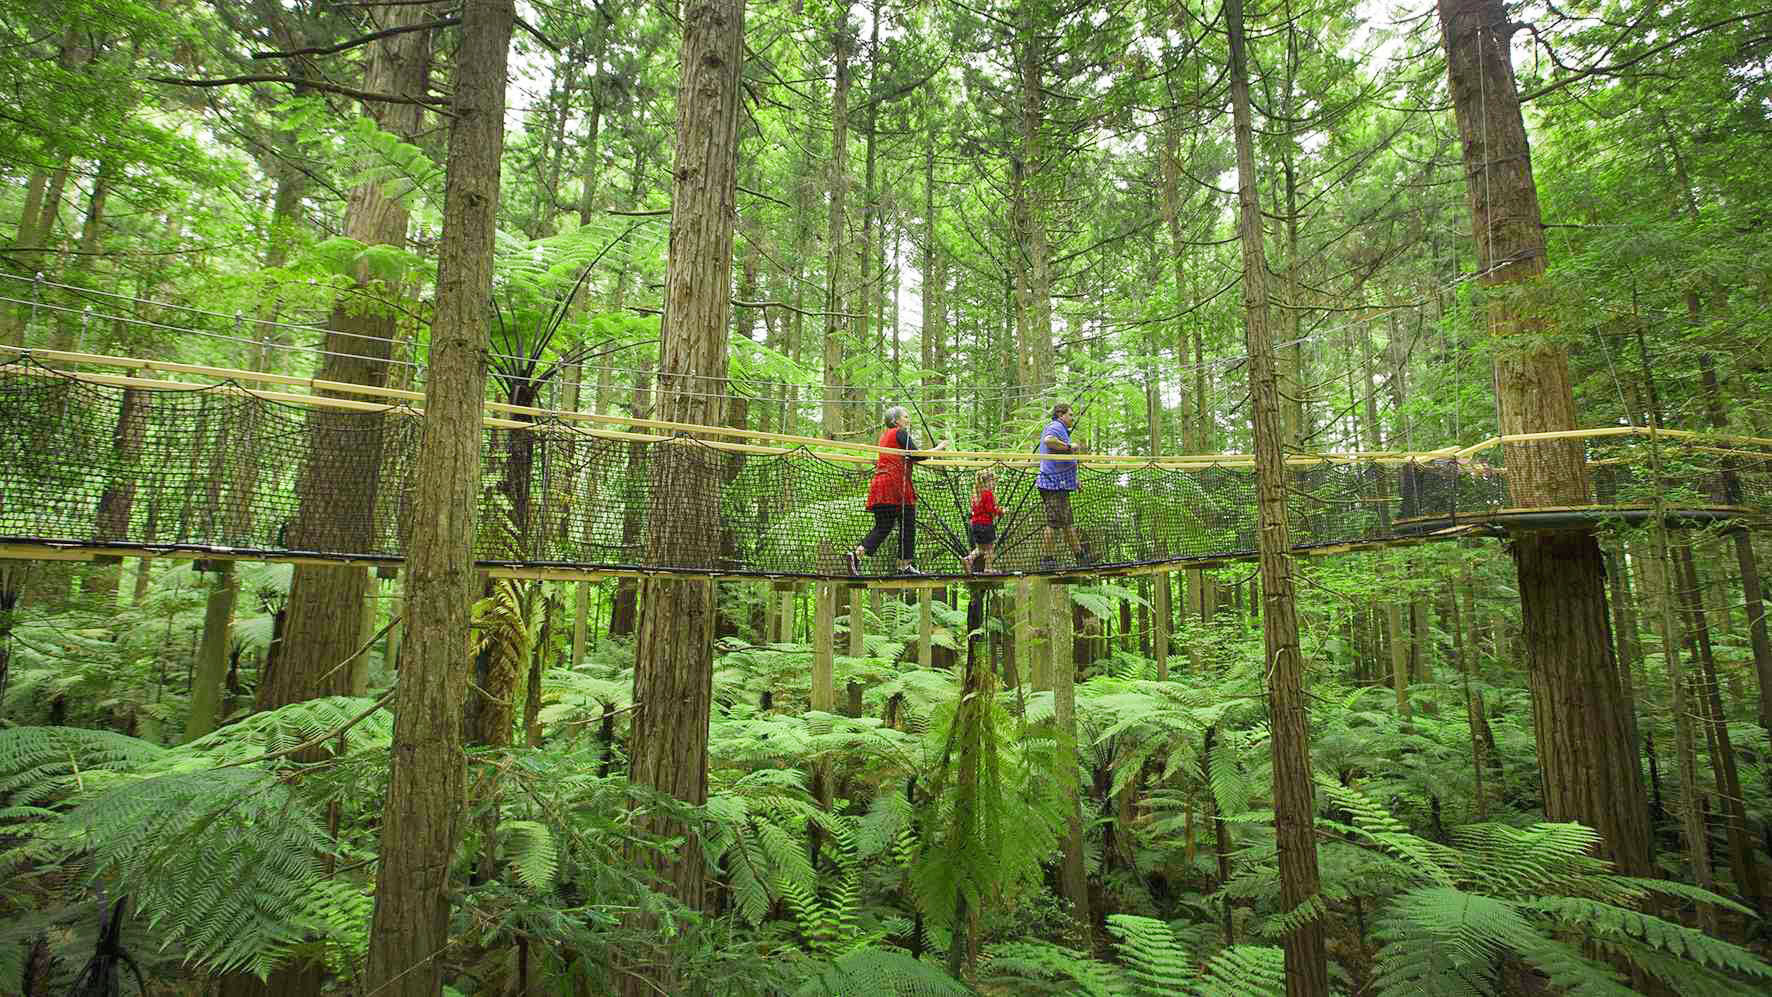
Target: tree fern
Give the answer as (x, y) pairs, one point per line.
(1440, 940)
(222, 862)
(44, 764)
(880, 971)
(1244, 971)
(1155, 961)
(1034, 967)
(532, 852)
(286, 727)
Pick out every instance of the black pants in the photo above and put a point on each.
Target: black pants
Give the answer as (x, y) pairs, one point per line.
(885, 518)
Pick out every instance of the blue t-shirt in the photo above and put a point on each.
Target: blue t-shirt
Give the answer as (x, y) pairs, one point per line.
(1056, 475)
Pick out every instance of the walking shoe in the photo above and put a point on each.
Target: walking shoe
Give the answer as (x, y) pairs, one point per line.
(854, 564)
(910, 569)
(967, 561)
(1048, 564)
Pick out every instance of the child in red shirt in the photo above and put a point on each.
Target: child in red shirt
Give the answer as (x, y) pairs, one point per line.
(984, 523)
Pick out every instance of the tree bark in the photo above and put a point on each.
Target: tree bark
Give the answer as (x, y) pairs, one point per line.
(117, 501)
(1746, 561)
(337, 489)
(1038, 345)
(934, 280)
(1073, 878)
(423, 814)
(673, 674)
(212, 652)
(1742, 864)
(1581, 715)
(835, 256)
(1294, 793)
(1172, 206)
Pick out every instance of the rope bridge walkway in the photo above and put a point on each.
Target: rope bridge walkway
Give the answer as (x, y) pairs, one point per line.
(98, 458)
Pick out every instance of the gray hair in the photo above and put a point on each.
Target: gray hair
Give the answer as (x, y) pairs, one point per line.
(896, 413)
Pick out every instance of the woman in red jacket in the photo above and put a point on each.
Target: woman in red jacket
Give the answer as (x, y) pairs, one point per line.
(891, 498)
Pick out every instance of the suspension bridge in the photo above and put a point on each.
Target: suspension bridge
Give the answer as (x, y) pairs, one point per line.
(102, 456)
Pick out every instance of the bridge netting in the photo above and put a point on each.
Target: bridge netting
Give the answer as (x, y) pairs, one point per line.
(103, 462)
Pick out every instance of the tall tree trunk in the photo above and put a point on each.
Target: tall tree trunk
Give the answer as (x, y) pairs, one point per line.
(624, 610)
(243, 474)
(1038, 344)
(1745, 559)
(1742, 864)
(117, 501)
(337, 489)
(934, 278)
(871, 269)
(674, 661)
(1294, 793)
(422, 818)
(1580, 714)
(43, 197)
(13, 318)
(1172, 207)
(835, 298)
(1073, 879)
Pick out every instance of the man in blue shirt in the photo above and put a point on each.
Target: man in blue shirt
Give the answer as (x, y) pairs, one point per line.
(1057, 480)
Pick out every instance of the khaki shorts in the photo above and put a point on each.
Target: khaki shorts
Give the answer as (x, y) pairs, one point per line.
(1058, 508)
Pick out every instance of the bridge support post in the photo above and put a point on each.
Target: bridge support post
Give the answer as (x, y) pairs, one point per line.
(925, 628)
(1160, 624)
(1040, 617)
(858, 647)
(1072, 877)
(1020, 637)
(786, 617)
(824, 693)
(1160, 615)
(581, 615)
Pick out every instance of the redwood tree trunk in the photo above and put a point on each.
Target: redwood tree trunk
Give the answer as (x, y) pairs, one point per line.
(117, 502)
(835, 256)
(1582, 716)
(674, 659)
(338, 487)
(423, 814)
(1307, 970)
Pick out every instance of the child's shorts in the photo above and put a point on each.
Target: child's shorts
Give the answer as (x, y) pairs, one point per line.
(984, 533)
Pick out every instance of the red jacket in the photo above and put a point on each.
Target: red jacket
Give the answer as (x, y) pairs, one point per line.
(892, 472)
(984, 508)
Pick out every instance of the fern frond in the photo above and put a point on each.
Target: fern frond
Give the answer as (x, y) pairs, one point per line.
(1030, 967)
(43, 764)
(1620, 926)
(222, 862)
(533, 853)
(1441, 940)
(1244, 971)
(878, 971)
(1155, 961)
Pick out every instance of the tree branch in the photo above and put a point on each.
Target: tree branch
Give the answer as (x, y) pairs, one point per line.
(359, 41)
(440, 106)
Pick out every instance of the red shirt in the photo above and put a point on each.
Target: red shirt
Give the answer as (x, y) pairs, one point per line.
(892, 471)
(984, 508)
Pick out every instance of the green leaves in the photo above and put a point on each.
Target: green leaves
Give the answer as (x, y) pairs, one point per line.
(1156, 963)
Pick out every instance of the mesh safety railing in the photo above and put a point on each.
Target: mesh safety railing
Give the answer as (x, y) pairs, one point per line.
(217, 468)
